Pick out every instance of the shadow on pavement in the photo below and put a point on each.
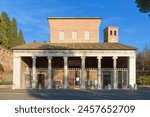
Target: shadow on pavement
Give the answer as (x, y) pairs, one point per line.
(71, 94)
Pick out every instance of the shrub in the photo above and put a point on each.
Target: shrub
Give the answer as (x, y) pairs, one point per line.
(5, 83)
(1, 68)
(143, 80)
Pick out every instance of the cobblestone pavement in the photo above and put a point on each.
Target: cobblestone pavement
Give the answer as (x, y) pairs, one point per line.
(70, 94)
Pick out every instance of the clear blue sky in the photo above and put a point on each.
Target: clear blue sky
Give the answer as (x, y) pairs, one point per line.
(31, 15)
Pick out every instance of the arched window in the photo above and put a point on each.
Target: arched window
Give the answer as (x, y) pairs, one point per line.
(74, 35)
(61, 35)
(86, 35)
(111, 32)
(115, 33)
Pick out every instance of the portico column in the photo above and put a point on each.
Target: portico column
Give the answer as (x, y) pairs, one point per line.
(34, 80)
(132, 71)
(115, 72)
(99, 72)
(65, 72)
(49, 72)
(16, 72)
(83, 72)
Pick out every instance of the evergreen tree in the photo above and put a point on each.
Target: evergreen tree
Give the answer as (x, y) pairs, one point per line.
(3, 37)
(20, 38)
(34, 41)
(14, 33)
(1, 30)
(44, 41)
(9, 36)
(143, 5)
(8, 29)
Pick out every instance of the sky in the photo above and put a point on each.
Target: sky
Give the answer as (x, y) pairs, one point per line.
(31, 16)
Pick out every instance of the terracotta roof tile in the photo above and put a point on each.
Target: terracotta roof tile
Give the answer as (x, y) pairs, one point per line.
(74, 46)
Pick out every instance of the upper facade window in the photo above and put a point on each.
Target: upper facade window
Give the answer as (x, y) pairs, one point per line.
(61, 35)
(115, 33)
(74, 35)
(86, 35)
(111, 32)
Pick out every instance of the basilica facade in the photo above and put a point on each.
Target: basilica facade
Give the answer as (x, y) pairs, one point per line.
(75, 58)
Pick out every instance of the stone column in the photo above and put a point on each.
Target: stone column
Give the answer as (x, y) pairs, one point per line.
(115, 72)
(17, 73)
(49, 72)
(132, 71)
(83, 72)
(34, 80)
(65, 72)
(99, 73)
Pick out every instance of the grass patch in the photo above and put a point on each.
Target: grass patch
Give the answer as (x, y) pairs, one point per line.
(6, 83)
(143, 80)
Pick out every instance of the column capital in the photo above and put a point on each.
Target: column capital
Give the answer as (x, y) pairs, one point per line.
(132, 57)
(65, 57)
(99, 57)
(33, 57)
(83, 57)
(49, 57)
(115, 57)
(17, 57)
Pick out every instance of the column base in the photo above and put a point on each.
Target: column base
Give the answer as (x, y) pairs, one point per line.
(99, 88)
(34, 86)
(82, 86)
(49, 87)
(115, 86)
(65, 87)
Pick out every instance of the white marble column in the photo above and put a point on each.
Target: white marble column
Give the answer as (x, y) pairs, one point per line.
(115, 86)
(17, 73)
(49, 72)
(99, 73)
(132, 71)
(34, 80)
(83, 72)
(65, 72)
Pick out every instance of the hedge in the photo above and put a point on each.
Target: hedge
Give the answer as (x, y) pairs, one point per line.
(143, 80)
(6, 83)
(1, 68)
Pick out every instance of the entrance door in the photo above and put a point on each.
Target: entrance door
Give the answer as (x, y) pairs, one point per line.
(74, 79)
(77, 79)
(41, 81)
(122, 79)
(106, 80)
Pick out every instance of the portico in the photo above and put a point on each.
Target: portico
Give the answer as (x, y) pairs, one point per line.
(75, 58)
(92, 68)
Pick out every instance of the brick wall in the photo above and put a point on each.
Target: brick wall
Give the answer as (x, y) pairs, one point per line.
(79, 25)
(6, 59)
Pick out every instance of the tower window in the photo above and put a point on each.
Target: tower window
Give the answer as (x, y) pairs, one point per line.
(74, 35)
(61, 35)
(86, 35)
(111, 32)
(115, 33)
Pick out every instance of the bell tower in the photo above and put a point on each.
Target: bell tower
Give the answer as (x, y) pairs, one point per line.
(111, 34)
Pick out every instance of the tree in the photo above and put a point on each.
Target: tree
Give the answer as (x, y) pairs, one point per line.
(13, 33)
(20, 38)
(34, 41)
(44, 41)
(143, 5)
(7, 29)
(9, 36)
(3, 37)
(143, 59)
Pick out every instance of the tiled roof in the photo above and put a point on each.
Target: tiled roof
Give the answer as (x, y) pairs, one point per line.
(74, 46)
(74, 18)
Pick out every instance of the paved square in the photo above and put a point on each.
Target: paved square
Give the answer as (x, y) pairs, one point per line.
(70, 94)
